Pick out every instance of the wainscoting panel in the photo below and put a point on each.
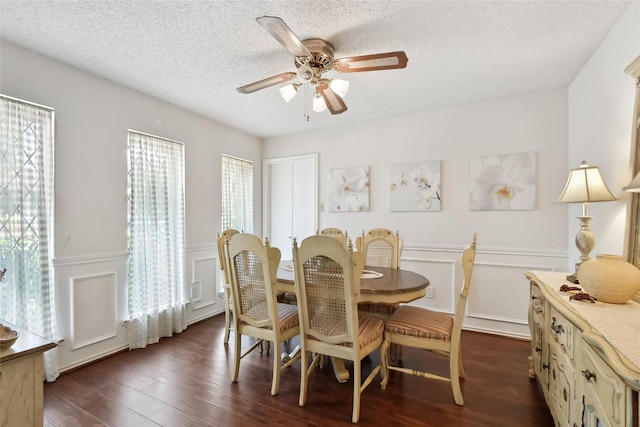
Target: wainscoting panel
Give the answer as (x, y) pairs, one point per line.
(441, 275)
(499, 296)
(91, 304)
(91, 293)
(500, 299)
(203, 283)
(93, 309)
(204, 275)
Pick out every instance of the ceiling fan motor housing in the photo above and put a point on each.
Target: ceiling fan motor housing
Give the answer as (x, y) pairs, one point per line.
(321, 55)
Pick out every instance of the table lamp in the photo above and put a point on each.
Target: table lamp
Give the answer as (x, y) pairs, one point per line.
(634, 185)
(584, 185)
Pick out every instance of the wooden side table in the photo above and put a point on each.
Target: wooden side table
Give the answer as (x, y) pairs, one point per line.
(22, 380)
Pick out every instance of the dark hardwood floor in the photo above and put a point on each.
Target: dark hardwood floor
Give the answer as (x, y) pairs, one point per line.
(185, 381)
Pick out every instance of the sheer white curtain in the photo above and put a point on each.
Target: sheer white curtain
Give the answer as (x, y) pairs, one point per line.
(26, 221)
(237, 194)
(156, 293)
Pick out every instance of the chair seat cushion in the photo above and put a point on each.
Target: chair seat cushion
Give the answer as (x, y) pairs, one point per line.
(371, 329)
(381, 308)
(288, 316)
(421, 323)
(287, 313)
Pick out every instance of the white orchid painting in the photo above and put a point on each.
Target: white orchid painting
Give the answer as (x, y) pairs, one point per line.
(349, 190)
(503, 182)
(415, 186)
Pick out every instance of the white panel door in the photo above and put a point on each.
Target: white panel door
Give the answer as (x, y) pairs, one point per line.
(290, 200)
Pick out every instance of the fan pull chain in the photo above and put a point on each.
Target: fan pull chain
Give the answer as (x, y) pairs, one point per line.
(306, 101)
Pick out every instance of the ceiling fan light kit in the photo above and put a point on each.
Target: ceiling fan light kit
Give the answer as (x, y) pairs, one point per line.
(313, 58)
(318, 103)
(288, 92)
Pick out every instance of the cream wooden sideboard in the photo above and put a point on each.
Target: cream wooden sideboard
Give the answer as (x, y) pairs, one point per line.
(22, 380)
(586, 356)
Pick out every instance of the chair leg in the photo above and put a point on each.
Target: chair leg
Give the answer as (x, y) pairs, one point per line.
(275, 382)
(236, 356)
(384, 362)
(227, 316)
(227, 325)
(357, 373)
(304, 377)
(454, 365)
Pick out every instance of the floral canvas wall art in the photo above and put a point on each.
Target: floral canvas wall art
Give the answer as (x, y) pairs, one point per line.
(349, 190)
(415, 186)
(503, 182)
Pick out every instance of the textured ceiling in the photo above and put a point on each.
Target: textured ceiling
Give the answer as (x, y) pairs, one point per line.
(195, 53)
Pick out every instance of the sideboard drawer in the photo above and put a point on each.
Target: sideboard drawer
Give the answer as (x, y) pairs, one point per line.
(561, 384)
(537, 305)
(562, 331)
(603, 392)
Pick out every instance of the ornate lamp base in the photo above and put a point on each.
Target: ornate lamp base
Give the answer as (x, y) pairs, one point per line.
(585, 241)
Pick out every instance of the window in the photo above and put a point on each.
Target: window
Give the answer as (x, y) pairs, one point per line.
(156, 295)
(632, 247)
(237, 194)
(26, 220)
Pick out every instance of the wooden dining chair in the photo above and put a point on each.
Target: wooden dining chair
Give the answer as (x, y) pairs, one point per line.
(336, 233)
(431, 330)
(327, 285)
(226, 285)
(256, 312)
(382, 248)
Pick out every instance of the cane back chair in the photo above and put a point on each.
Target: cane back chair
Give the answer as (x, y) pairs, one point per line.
(256, 312)
(327, 282)
(382, 248)
(418, 327)
(336, 233)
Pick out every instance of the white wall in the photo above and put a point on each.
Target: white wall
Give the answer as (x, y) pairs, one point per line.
(601, 100)
(591, 120)
(92, 117)
(509, 242)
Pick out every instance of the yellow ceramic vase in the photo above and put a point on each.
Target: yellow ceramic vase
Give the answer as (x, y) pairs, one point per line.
(609, 278)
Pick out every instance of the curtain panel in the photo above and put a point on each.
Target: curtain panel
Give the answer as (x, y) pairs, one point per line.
(26, 221)
(156, 284)
(237, 194)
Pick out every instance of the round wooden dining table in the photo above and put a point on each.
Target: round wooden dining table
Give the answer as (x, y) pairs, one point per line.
(393, 286)
(378, 285)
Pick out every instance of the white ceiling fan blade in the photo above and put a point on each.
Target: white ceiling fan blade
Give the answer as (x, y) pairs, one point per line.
(334, 102)
(281, 32)
(264, 83)
(379, 61)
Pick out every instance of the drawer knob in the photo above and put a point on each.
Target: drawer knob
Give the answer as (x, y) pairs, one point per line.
(588, 375)
(557, 329)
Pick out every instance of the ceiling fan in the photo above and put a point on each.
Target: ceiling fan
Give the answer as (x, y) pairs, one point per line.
(313, 58)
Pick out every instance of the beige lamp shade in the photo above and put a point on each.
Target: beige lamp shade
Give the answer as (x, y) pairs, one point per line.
(585, 185)
(634, 185)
